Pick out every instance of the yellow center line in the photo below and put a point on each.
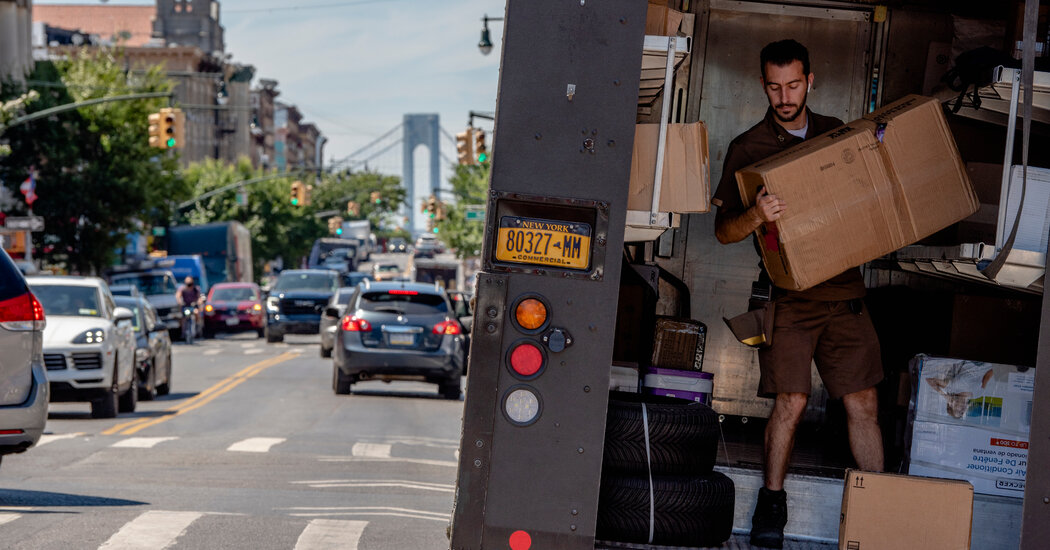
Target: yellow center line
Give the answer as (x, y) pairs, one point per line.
(202, 398)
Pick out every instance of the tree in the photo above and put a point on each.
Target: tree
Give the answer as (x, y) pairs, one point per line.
(470, 185)
(97, 178)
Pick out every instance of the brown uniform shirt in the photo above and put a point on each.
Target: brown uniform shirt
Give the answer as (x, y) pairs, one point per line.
(764, 140)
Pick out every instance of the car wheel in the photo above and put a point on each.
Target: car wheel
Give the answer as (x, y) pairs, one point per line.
(682, 437)
(272, 337)
(450, 389)
(261, 332)
(165, 388)
(326, 352)
(693, 511)
(341, 382)
(148, 391)
(130, 398)
(106, 406)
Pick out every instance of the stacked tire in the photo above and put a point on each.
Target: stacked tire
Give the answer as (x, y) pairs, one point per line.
(687, 504)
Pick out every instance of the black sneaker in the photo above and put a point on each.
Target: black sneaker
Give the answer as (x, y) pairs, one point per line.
(767, 525)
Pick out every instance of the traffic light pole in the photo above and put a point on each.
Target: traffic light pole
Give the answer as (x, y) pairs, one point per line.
(236, 184)
(70, 106)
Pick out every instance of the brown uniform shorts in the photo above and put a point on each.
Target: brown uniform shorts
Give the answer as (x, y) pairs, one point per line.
(842, 343)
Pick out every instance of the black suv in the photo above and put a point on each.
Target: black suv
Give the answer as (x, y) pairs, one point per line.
(297, 300)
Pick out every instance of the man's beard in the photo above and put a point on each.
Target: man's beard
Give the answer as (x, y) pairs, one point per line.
(801, 109)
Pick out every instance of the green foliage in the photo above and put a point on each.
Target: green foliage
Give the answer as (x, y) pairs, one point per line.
(470, 184)
(278, 228)
(97, 178)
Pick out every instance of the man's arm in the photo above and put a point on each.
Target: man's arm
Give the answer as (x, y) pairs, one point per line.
(732, 227)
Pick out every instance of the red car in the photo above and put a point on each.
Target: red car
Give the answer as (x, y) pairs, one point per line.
(234, 307)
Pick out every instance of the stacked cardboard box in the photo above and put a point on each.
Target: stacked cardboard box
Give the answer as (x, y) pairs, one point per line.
(971, 422)
(859, 192)
(686, 175)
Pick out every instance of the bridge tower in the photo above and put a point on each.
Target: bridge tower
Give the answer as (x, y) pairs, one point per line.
(420, 129)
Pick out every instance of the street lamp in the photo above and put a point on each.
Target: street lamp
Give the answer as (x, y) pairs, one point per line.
(485, 45)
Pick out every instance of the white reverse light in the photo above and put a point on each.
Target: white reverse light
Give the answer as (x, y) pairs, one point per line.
(522, 406)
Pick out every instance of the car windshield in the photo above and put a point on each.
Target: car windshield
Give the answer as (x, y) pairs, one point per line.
(80, 301)
(234, 294)
(406, 302)
(387, 268)
(150, 285)
(318, 282)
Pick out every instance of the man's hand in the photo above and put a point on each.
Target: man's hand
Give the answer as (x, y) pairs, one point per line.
(768, 207)
(731, 229)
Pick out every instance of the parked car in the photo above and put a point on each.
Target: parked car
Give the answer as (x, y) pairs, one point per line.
(158, 286)
(24, 390)
(234, 307)
(124, 290)
(296, 301)
(89, 345)
(152, 347)
(382, 272)
(399, 331)
(333, 312)
(463, 310)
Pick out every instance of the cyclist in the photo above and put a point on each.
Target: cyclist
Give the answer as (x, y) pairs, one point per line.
(189, 294)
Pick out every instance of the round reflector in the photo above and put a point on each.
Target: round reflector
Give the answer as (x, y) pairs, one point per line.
(526, 359)
(531, 314)
(520, 540)
(522, 406)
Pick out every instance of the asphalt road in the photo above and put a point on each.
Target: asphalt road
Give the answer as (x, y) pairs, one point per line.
(251, 450)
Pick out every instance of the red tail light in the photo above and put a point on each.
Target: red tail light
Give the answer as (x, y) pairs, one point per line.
(354, 324)
(447, 327)
(22, 313)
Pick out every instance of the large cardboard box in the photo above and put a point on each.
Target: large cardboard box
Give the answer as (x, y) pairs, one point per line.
(971, 421)
(859, 192)
(881, 511)
(687, 169)
(662, 21)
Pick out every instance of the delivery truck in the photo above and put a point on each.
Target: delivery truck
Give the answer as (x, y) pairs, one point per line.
(225, 248)
(614, 119)
(446, 273)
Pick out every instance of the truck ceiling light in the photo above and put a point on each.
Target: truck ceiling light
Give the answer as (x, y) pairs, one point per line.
(531, 314)
(522, 405)
(526, 359)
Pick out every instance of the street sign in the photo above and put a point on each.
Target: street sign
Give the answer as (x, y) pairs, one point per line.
(25, 223)
(474, 212)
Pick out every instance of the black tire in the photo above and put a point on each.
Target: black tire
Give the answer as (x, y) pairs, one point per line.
(130, 398)
(272, 337)
(451, 389)
(341, 382)
(688, 511)
(148, 391)
(165, 388)
(326, 352)
(106, 406)
(261, 332)
(683, 436)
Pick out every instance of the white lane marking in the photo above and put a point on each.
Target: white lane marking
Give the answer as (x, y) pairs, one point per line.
(331, 533)
(7, 518)
(443, 518)
(361, 483)
(249, 345)
(253, 351)
(48, 438)
(141, 442)
(256, 444)
(215, 351)
(424, 461)
(371, 450)
(152, 530)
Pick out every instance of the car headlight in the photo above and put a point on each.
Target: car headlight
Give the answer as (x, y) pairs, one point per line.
(272, 304)
(90, 336)
(141, 355)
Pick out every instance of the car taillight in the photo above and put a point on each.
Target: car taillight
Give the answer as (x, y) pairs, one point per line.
(209, 308)
(447, 327)
(355, 324)
(22, 313)
(257, 307)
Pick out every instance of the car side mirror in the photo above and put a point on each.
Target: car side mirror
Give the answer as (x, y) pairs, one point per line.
(123, 314)
(467, 322)
(159, 327)
(332, 312)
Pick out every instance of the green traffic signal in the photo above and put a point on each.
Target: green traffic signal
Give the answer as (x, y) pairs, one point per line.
(295, 202)
(171, 142)
(435, 230)
(483, 157)
(339, 231)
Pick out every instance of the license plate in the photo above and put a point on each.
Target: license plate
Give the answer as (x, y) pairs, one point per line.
(534, 241)
(401, 339)
(231, 321)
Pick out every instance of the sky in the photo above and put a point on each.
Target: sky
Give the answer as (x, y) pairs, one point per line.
(356, 67)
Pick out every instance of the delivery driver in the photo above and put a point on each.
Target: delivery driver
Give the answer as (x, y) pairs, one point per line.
(827, 323)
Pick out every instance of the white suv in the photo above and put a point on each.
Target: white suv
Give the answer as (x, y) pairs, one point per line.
(89, 344)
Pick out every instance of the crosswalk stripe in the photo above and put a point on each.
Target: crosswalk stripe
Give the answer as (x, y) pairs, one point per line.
(254, 351)
(48, 438)
(256, 444)
(215, 351)
(141, 442)
(151, 530)
(331, 533)
(373, 450)
(6, 518)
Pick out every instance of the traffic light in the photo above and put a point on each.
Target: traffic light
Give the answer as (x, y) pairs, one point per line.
(179, 124)
(308, 191)
(155, 131)
(297, 193)
(465, 146)
(353, 208)
(439, 210)
(432, 207)
(375, 197)
(481, 153)
(335, 225)
(167, 129)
